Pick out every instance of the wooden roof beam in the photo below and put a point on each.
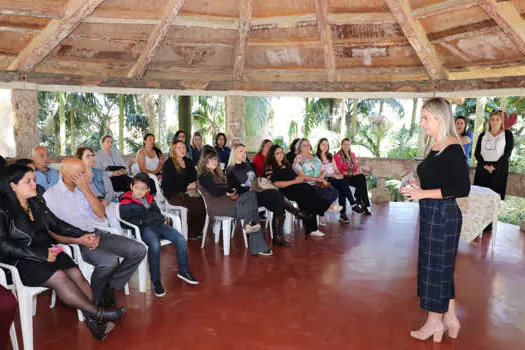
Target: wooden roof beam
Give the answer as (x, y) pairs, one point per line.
(508, 18)
(417, 37)
(442, 7)
(156, 37)
(325, 30)
(240, 49)
(56, 31)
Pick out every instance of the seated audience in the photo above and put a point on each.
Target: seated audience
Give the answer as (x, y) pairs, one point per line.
(332, 175)
(290, 156)
(139, 208)
(181, 136)
(149, 158)
(309, 167)
(29, 162)
(179, 185)
(111, 161)
(100, 185)
(260, 157)
(241, 175)
(280, 172)
(222, 150)
(221, 201)
(8, 308)
(72, 200)
(196, 147)
(26, 231)
(347, 164)
(45, 176)
(465, 136)
(234, 142)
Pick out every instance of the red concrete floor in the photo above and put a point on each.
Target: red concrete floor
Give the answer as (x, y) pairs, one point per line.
(354, 289)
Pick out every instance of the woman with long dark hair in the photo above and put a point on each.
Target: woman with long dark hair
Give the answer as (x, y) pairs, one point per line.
(347, 164)
(336, 179)
(280, 172)
(220, 147)
(149, 158)
(260, 157)
(290, 156)
(464, 135)
(25, 223)
(179, 184)
(444, 177)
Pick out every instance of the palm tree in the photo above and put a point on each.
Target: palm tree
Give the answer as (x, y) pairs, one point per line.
(209, 116)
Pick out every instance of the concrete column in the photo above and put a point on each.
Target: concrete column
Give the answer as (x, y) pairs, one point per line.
(380, 194)
(25, 108)
(7, 118)
(234, 106)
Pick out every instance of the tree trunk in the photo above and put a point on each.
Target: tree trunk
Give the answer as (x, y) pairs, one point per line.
(413, 120)
(353, 122)
(235, 113)
(503, 103)
(481, 102)
(421, 141)
(121, 123)
(72, 144)
(185, 115)
(25, 108)
(163, 100)
(62, 122)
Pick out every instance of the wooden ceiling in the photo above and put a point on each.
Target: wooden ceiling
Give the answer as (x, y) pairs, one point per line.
(279, 46)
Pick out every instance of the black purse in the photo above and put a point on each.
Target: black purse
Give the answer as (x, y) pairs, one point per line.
(115, 167)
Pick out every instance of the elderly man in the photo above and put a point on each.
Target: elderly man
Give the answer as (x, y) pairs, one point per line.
(72, 200)
(45, 176)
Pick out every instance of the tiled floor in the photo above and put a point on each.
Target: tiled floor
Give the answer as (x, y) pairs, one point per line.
(354, 289)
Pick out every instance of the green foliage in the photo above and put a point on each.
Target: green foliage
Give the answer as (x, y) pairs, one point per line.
(317, 111)
(404, 145)
(257, 110)
(513, 210)
(208, 118)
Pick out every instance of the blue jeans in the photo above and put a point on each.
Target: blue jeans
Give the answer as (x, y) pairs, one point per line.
(152, 236)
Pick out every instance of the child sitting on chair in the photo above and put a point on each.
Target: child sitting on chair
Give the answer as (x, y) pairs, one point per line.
(139, 208)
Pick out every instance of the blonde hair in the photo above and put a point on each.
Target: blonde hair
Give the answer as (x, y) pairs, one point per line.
(441, 109)
(232, 160)
(500, 115)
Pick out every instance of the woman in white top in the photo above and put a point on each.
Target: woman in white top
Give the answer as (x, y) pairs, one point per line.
(149, 159)
(493, 151)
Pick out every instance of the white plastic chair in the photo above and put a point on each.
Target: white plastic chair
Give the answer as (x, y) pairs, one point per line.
(225, 222)
(143, 266)
(26, 297)
(12, 330)
(165, 206)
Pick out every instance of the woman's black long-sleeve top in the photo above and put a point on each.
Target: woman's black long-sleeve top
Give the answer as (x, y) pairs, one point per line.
(447, 171)
(174, 182)
(240, 177)
(17, 233)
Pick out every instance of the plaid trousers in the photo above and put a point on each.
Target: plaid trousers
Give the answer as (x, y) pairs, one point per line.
(439, 230)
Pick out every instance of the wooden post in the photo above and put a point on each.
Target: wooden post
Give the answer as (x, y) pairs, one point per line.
(25, 108)
(235, 114)
(185, 115)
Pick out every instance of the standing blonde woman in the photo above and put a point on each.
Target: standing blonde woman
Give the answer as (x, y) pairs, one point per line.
(444, 177)
(493, 151)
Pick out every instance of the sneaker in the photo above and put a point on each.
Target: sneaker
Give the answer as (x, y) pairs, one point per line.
(322, 222)
(266, 253)
(317, 233)
(188, 278)
(158, 289)
(252, 228)
(367, 212)
(336, 207)
(356, 208)
(343, 218)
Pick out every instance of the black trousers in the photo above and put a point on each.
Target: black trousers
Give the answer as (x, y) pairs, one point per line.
(273, 200)
(344, 192)
(361, 192)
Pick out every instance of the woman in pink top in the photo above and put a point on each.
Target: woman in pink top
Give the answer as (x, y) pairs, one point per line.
(347, 165)
(260, 157)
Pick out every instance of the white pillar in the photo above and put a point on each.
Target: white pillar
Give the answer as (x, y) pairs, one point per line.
(25, 108)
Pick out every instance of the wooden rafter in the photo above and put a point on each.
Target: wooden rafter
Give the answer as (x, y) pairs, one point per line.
(156, 37)
(56, 31)
(417, 37)
(325, 30)
(508, 18)
(442, 7)
(240, 49)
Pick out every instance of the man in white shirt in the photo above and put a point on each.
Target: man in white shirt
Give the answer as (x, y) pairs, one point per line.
(72, 201)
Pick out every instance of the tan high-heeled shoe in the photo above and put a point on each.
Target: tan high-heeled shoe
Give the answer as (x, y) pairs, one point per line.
(436, 335)
(452, 329)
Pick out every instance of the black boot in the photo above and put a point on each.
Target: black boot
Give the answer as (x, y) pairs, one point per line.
(278, 236)
(295, 211)
(104, 315)
(108, 299)
(99, 330)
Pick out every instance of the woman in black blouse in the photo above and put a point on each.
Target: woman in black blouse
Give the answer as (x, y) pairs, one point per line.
(444, 177)
(179, 185)
(25, 242)
(279, 171)
(240, 174)
(222, 201)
